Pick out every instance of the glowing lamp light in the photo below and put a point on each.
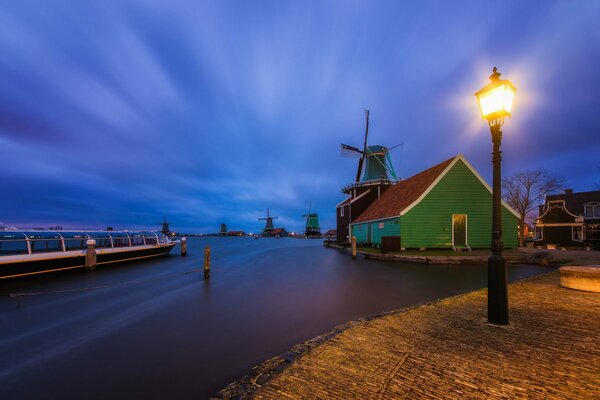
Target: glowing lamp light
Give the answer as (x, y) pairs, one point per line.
(496, 98)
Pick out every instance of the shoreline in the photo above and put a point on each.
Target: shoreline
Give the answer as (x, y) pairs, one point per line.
(513, 256)
(249, 384)
(368, 351)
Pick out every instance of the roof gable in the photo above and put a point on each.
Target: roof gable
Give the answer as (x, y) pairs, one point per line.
(405, 195)
(574, 202)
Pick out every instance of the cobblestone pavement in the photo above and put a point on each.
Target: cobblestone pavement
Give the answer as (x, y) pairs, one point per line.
(446, 350)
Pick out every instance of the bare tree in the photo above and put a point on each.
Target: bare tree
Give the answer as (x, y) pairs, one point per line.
(525, 190)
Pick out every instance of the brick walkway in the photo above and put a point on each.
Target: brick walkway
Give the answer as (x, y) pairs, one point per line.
(446, 350)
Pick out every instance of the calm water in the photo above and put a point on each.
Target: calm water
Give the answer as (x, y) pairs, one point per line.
(169, 334)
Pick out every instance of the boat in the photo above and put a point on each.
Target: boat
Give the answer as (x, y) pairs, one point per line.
(25, 253)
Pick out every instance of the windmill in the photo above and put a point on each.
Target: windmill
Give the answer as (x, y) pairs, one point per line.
(378, 168)
(269, 224)
(165, 226)
(312, 223)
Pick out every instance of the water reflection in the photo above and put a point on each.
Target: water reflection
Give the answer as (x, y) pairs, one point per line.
(169, 334)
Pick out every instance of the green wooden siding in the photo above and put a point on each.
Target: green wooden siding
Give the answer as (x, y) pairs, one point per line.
(360, 231)
(429, 224)
(391, 227)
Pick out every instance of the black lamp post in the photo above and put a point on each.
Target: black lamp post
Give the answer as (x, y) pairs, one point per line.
(495, 101)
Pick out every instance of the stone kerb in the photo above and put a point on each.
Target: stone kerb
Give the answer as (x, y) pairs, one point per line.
(586, 278)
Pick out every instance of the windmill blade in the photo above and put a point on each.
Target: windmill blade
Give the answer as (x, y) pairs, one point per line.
(362, 158)
(393, 147)
(350, 151)
(346, 147)
(360, 164)
(366, 130)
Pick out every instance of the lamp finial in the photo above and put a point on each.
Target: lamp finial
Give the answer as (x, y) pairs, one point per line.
(495, 76)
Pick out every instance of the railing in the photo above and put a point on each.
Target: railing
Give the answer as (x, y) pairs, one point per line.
(29, 244)
(373, 182)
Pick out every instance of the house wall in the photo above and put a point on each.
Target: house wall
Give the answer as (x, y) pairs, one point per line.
(371, 232)
(342, 222)
(429, 224)
(357, 207)
(559, 235)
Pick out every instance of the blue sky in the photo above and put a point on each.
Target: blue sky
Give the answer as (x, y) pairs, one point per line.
(116, 113)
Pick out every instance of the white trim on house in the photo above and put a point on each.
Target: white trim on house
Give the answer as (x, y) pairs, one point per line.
(360, 195)
(562, 203)
(591, 204)
(541, 236)
(373, 220)
(342, 202)
(444, 172)
(353, 199)
(562, 224)
(466, 230)
(581, 233)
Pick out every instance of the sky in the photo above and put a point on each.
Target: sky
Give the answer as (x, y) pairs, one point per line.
(118, 113)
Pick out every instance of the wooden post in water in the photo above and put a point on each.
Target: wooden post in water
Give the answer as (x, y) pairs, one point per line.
(90, 255)
(183, 246)
(353, 246)
(206, 262)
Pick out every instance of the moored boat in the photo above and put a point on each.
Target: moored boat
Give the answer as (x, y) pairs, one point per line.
(25, 253)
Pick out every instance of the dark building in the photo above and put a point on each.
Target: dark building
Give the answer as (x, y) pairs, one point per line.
(277, 232)
(362, 195)
(569, 219)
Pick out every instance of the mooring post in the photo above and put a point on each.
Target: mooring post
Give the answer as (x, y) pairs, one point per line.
(90, 255)
(353, 246)
(183, 246)
(206, 262)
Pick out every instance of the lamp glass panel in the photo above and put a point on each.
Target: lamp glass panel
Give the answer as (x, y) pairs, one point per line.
(498, 99)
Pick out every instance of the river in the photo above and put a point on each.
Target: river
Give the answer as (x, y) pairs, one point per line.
(156, 330)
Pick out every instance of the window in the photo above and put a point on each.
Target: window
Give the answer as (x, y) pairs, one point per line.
(342, 211)
(592, 210)
(593, 232)
(539, 233)
(381, 225)
(577, 233)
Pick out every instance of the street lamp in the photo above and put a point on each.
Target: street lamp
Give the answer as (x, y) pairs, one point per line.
(495, 102)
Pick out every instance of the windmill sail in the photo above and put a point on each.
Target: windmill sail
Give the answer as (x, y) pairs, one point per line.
(374, 164)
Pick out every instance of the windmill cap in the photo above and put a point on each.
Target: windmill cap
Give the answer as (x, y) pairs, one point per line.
(377, 148)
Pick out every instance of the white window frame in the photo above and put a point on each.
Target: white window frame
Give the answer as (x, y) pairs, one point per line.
(341, 211)
(580, 227)
(594, 211)
(466, 228)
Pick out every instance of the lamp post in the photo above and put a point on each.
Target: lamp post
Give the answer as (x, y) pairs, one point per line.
(495, 102)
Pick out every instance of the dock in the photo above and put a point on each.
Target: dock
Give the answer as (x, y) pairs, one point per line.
(447, 350)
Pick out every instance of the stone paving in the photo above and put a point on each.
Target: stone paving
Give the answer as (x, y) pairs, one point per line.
(446, 350)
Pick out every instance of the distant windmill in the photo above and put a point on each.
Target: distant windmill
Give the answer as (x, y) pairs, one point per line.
(269, 224)
(165, 226)
(379, 164)
(312, 227)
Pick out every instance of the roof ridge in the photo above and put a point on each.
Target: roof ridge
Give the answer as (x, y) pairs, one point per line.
(404, 193)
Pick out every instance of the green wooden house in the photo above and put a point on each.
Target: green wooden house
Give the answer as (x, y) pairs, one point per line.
(446, 206)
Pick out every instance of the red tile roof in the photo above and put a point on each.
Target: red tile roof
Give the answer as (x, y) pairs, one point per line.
(402, 194)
